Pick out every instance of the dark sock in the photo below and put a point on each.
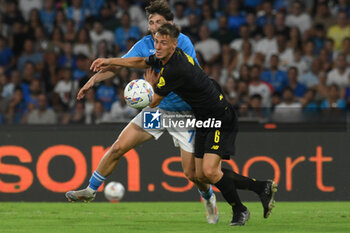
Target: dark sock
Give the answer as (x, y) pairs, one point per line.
(242, 182)
(227, 187)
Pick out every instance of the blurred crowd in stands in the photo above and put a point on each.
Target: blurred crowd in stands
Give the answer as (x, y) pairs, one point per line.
(281, 60)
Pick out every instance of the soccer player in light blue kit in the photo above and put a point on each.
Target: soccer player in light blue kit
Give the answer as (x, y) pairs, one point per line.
(133, 134)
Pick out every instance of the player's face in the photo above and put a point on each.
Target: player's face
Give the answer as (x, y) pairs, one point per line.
(164, 46)
(154, 22)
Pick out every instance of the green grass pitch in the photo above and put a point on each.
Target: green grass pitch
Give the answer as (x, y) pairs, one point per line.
(169, 217)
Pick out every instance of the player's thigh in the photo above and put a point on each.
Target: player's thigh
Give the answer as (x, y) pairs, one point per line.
(131, 136)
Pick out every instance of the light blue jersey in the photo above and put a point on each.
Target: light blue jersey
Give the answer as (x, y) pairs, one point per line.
(145, 48)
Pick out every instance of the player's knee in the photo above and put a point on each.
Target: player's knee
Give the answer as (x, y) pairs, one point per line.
(117, 150)
(210, 174)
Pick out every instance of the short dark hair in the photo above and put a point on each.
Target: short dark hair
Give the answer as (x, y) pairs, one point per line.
(170, 30)
(160, 7)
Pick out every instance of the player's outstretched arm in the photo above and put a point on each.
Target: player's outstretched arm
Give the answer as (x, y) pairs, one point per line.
(101, 64)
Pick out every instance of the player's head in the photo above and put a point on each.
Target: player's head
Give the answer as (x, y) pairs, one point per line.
(158, 13)
(165, 40)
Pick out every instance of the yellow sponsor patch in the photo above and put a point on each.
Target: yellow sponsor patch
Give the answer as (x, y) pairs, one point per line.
(221, 96)
(215, 147)
(161, 82)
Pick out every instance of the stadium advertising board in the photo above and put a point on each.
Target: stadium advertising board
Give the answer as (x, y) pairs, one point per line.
(41, 164)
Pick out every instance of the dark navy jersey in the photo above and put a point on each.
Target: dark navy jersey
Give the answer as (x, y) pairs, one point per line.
(183, 76)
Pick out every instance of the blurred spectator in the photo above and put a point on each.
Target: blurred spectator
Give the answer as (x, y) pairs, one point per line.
(26, 6)
(326, 60)
(310, 79)
(268, 45)
(339, 31)
(94, 6)
(346, 48)
(208, 17)
(70, 32)
(99, 34)
(298, 18)
(209, 47)
(17, 38)
(82, 69)
(308, 49)
(3, 106)
(60, 21)
(43, 114)
(120, 111)
(82, 44)
(266, 16)
(257, 87)
(48, 14)
(67, 59)
(180, 19)
(77, 13)
(227, 56)
(341, 6)
(289, 110)
(298, 88)
(255, 31)
(243, 36)
(192, 8)
(107, 94)
(300, 64)
(109, 21)
(17, 107)
(124, 32)
(256, 109)
(230, 91)
(340, 74)
(12, 14)
(7, 59)
(33, 23)
(4, 28)
(280, 24)
(76, 116)
(9, 88)
(284, 53)
(275, 77)
(276, 99)
(136, 15)
(29, 55)
(323, 16)
(66, 88)
(333, 99)
(56, 43)
(102, 49)
(242, 92)
(49, 73)
(309, 104)
(294, 41)
(89, 104)
(192, 31)
(235, 16)
(319, 37)
(245, 56)
(41, 41)
(99, 115)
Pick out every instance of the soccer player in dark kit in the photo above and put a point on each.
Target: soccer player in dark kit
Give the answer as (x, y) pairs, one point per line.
(215, 140)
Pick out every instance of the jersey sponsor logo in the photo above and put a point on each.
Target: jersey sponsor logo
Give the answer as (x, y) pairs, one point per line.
(161, 82)
(190, 59)
(215, 147)
(221, 97)
(152, 120)
(152, 51)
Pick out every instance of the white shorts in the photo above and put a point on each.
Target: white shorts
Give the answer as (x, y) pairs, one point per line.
(182, 137)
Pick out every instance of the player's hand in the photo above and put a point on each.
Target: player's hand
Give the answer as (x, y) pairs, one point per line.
(151, 76)
(100, 64)
(85, 88)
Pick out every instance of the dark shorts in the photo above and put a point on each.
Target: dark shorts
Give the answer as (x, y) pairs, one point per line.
(220, 141)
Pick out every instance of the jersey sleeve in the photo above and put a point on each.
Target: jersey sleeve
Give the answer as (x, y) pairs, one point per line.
(168, 82)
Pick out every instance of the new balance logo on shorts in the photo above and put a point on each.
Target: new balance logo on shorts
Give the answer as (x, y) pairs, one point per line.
(151, 120)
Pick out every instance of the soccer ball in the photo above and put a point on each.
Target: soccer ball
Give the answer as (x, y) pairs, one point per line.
(114, 191)
(138, 93)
